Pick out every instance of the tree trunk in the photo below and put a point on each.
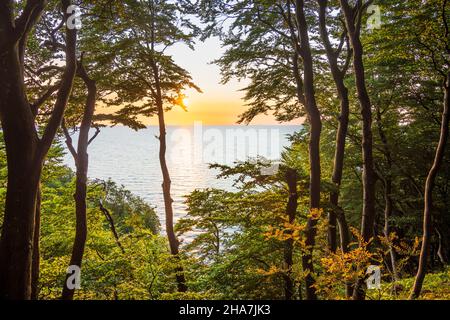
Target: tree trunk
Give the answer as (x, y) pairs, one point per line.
(36, 249)
(336, 214)
(291, 210)
(25, 151)
(388, 202)
(166, 185)
(314, 147)
(21, 142)
(428, 205)
(81, 158)
(353, 24)
(441, 247)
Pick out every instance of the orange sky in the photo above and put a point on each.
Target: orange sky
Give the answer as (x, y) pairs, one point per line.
(210, 110)
(218, 104)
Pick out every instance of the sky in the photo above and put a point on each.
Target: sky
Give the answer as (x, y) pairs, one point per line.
(219, 104)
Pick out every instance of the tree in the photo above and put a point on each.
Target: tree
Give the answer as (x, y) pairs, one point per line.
(147, 80)
(338, 67)
(439, 56)
(272, 50)
(251, 263)
(25, 149)
(353, 20)
(81, 158)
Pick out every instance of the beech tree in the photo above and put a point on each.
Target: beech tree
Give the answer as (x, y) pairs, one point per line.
(26, 149)
(272, 42)
(436, 51)
(81, 158)
(353, 19)
(147, 81)
(339, 59)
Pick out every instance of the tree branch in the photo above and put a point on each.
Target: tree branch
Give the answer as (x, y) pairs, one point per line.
(69, 141)
(97, 132)
(111, 225)
(65, 89)
(39, 102)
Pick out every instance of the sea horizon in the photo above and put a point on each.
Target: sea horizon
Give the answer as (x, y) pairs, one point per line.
(130, 158)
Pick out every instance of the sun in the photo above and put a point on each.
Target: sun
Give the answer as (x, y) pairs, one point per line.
(185, 102)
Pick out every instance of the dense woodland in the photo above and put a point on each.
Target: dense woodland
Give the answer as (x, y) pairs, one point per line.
(366, 180)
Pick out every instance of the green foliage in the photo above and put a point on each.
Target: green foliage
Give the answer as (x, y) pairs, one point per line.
(235, 242)
(142, 270)
(128, 52)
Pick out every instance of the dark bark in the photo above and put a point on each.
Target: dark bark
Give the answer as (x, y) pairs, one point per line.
(25, 151)
(387, 181)
(291, 210)
(428, 201)
(166, 185)
(36, 250)
(21, 144)
(336, 214)
(314, 145)
(81, 158)
(112, 226)
(353, 18)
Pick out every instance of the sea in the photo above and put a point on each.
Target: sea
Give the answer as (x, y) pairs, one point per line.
(131, 158)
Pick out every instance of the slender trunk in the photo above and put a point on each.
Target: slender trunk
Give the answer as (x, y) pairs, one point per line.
(388, 202)
(428, 205)
(353, 24)
(81, 158)
(291, 210)
(166, 185)
(387, 229)
(36, 250)
(336, 214)
(173, 241)
(314, 147)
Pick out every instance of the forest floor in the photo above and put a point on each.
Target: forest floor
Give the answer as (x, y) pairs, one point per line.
(436, 287)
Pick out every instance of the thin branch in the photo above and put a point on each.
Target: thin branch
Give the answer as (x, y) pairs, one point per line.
(97, 132)
(111, 225)
(69, 141)
(39, 102)
(30, 15)
(64, 90)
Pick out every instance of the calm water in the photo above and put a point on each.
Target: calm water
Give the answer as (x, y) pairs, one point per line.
(130, 158)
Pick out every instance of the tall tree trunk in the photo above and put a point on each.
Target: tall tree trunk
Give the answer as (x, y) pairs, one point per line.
(21, 143)
(353, 18)
(428, 205)
(336, 215)
(166, 185)
(314, 146)
(388, 202)
(291, 210)
(81, 158)
(25, 151)
(36, 249)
